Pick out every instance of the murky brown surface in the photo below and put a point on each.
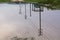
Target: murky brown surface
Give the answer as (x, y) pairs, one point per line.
(14, 24)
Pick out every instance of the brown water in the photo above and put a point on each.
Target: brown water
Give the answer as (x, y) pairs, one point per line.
(14, 24)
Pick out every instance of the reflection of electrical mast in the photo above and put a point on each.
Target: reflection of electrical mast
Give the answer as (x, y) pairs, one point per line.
(40, 20)
(20, 8)
(30, 9)
(39, 10)
(25, 12)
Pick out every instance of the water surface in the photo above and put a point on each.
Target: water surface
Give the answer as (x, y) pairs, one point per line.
(14, 24)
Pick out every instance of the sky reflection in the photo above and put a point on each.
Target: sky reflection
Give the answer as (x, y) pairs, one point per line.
(12, 23)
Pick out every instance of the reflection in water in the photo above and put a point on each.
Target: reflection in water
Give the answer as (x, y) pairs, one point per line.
(16, 38)
(13, 24)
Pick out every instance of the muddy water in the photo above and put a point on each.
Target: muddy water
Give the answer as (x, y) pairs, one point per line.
(14, 24)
